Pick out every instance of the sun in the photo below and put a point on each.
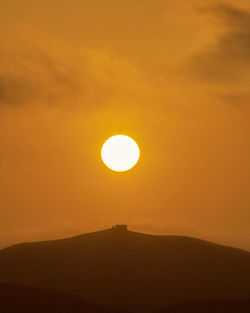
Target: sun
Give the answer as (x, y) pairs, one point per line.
(120, 153)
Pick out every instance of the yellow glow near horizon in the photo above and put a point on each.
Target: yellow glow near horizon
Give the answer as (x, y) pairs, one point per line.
(120, 153)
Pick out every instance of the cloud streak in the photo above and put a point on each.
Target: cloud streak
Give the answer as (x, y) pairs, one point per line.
(228, 59)
(31, 74)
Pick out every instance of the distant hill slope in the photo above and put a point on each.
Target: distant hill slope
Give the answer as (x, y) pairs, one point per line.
(212, 306)
(20, 299)
(131, 271)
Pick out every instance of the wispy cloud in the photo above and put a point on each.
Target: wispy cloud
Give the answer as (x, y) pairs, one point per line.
(228, 59)
(30, 73)
(225, 63)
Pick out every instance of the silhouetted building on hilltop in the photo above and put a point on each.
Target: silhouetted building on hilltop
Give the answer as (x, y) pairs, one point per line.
(120, 228)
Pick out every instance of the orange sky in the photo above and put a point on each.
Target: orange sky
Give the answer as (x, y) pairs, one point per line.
(173, 75)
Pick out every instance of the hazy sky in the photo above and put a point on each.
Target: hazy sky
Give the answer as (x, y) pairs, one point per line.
(174, 75)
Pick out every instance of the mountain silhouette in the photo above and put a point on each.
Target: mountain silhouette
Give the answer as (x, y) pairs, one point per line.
(21, 299)
(130, 271)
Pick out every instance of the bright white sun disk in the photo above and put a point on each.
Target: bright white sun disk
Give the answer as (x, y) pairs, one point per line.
(120, 153)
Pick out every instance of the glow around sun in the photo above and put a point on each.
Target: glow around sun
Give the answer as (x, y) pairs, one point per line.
(120, 153)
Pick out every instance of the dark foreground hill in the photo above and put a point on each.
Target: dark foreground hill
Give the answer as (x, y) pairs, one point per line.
(131, 271)
(20, 299)
(212, 306)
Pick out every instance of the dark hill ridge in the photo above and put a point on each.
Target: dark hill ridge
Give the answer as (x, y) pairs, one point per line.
(21, 299)
(131, 271)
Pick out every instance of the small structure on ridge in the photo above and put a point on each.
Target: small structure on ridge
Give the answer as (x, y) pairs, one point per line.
(121, 228)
